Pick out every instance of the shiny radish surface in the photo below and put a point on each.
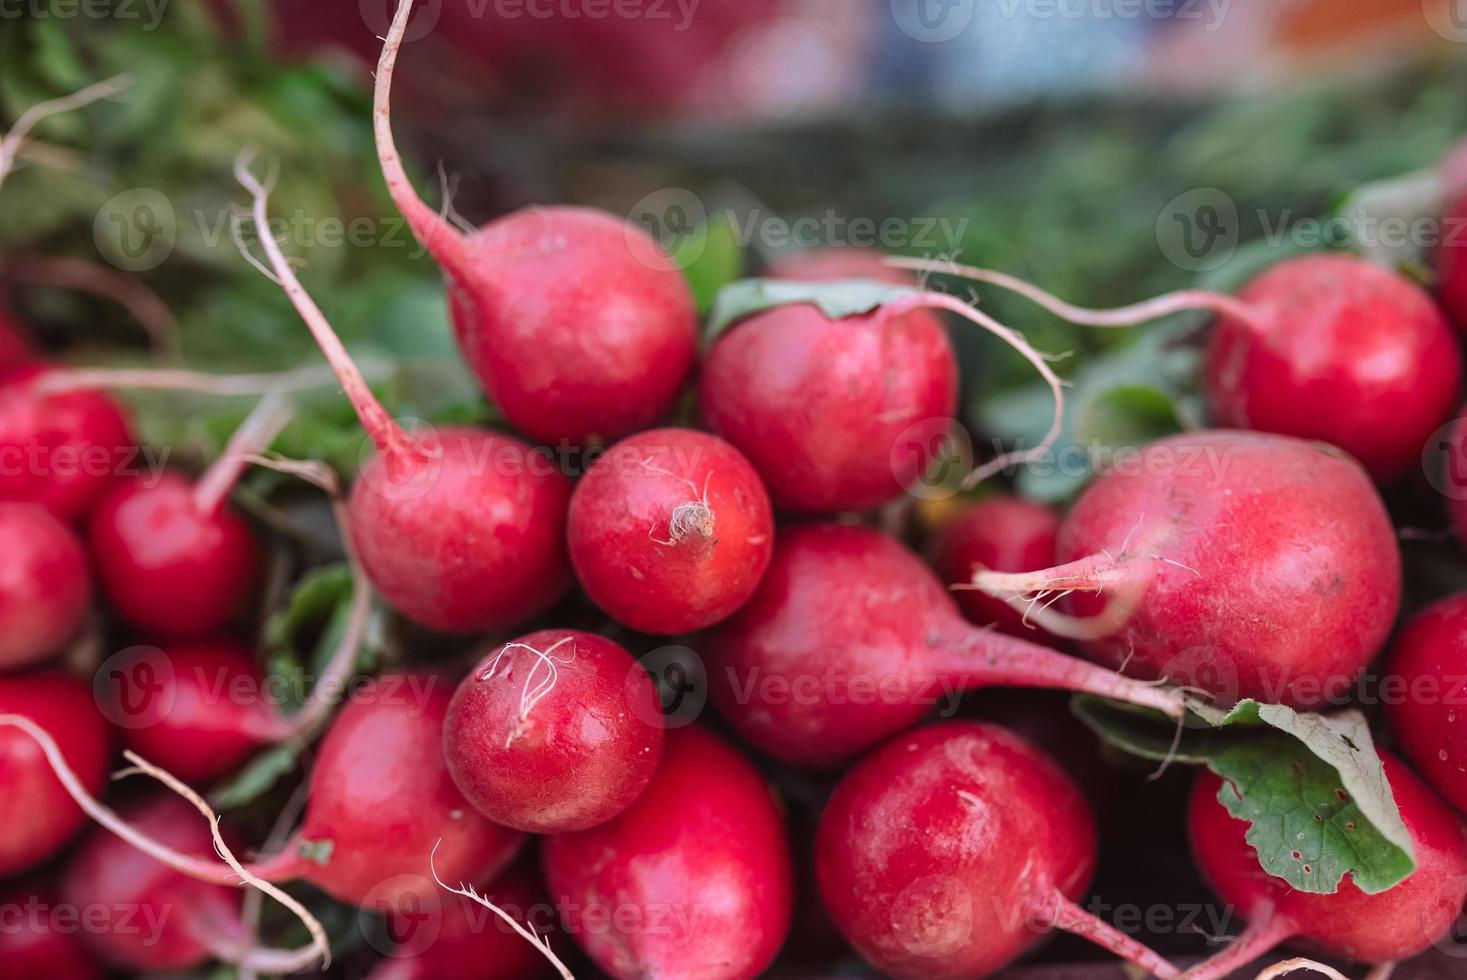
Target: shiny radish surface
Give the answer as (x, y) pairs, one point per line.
(704, 850)
(952, 849)
(1428, 666)
(670, 531)
(45, 585)
(823, 408)
(1393, 925)
(165, 564)
(1341, 350)
(38, 815)
(851, 639)
(556, 731)
(73, 444)
(1006, 534)
(38, 942)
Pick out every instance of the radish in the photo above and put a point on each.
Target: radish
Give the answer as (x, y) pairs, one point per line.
(1242, 564)
(1006, 534)
(39, 939)
(1328, 347)
(693, 880)
(197, 710)
(464, 941)
(35, 810)
(557, 731)
(461, 530)
(851, 639)
(836, 263)
(822, 406)
(577, 325)
(952, 849)
(1451, 260)
(1425, 695)
(44, 585)
(15, 346)
(60, 450)
(670, 531)
(1393, 925)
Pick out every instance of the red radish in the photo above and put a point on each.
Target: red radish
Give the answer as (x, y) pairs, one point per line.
(172, 921)
(166, 564)
(578, 326)
(951, 850)
(1325, 347)
(461, 940)
(837, 263)
(1425, 695)
(1245, 565)
(557, 731)
(39, 938)
(1395, 924)
(1006, 534)
(1341, 350)
(461, 530)
(821, 406)
(35, 810)
(60, 450)
(197, 710)
(172, 557)
(1451, 259)
(670, 531)
(851, 639)
(694, 880)
(44, 585)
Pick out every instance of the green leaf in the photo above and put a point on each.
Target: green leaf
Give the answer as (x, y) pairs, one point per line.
(850, 297)
(315, 611)
(711, 258)
(257, 778)
(1311, 786)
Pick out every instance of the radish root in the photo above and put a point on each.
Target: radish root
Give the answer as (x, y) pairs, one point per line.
(12, 141)
(536, 688)
(1061, 913)
(258, 430)
(178, 379)
(467, 891)
(1125, 316)
(1300, 963)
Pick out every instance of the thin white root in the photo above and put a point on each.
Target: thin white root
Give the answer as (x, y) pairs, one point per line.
(1300, 963)
(529, 935)
(1125, 316)
(11, 142)
(259, 960)
(536, 688)
(254, 435)
(179, 379)
(1020, 344)
(1381, 971)
(692, 518)
(254, 900)
(144, 305)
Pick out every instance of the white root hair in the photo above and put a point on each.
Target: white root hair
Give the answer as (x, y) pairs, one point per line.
(537, 687)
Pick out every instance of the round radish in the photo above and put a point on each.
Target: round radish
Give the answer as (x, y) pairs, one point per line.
(851, 639)
(693, 880)
(38, 815)
(165, 920)
(59, 450)
(1006, 534)
(949, 852)
(1341, 350)
(557, 731)
(166, 564)
(1426, 696)
(576, 323)
(1451, 260)
(837, 263)
(196, 710)
(670, 531)
(459, 529)
(1242, 564)
(820, 406)
(44, 585)
(381, 801)
(1393, 925)
(38, 940)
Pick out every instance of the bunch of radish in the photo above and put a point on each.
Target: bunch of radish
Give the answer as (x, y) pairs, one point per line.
(745, 513)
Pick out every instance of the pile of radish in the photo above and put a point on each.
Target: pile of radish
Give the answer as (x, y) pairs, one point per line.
(526, 797)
